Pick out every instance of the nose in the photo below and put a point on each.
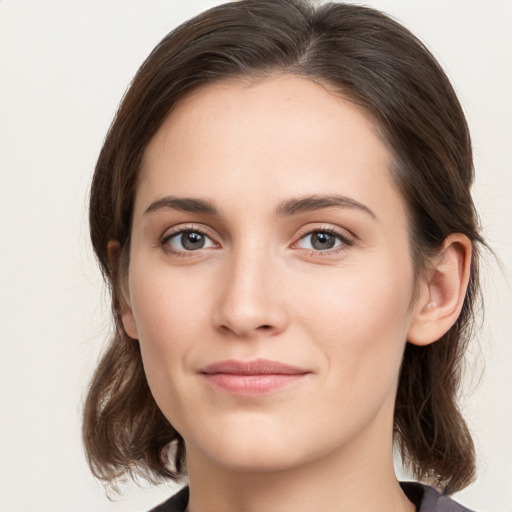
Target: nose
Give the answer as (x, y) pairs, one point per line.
(251, 300)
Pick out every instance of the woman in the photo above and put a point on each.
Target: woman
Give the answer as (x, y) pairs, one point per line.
(282, 209)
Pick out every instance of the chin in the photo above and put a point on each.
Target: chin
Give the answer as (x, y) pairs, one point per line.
(256, 458)
(243, 448)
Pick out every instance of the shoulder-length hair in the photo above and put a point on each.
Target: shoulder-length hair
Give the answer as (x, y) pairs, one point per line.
(373, 61)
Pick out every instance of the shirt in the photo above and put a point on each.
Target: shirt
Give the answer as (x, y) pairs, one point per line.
(426, 499)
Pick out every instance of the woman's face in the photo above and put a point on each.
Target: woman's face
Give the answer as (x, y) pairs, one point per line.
(270, 276)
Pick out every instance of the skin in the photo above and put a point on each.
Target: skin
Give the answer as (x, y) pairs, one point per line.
(259, 288)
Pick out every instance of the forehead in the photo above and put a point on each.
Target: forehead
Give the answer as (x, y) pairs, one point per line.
(278, 137)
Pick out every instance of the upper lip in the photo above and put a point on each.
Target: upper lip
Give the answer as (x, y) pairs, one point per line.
(255, 367)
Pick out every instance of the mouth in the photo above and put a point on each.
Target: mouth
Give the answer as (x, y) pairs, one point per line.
(251, 378)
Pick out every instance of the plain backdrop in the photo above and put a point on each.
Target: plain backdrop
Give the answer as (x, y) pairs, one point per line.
(64, 65)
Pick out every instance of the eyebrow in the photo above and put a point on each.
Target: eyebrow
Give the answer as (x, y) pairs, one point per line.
(286, 208)
(319, 202)
(186, 204)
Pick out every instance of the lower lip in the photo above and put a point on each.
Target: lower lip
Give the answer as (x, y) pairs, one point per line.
(251, 385)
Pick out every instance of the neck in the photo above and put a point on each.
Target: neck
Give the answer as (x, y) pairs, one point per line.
(357, 478)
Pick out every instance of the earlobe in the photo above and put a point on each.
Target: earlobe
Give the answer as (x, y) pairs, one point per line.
(129, 324)
(121, 289)
(442, 292)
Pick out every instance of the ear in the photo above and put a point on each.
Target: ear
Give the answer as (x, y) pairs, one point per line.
(121, 289)
(442, 291)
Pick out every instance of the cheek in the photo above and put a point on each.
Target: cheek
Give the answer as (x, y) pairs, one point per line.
(360, 322)
(170, 312)
(170, 317)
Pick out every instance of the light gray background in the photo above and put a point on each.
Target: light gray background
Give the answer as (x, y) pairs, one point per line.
(64, 66)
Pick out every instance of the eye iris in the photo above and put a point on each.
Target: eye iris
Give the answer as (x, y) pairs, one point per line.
(192, 240)
(323, 240)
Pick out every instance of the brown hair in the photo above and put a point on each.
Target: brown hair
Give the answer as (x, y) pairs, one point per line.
(371, 60)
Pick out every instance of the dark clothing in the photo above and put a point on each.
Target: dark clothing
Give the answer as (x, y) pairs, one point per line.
(425, 498)
(177, 503)
(428, 499)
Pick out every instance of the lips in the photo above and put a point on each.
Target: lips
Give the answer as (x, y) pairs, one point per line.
(251, 378)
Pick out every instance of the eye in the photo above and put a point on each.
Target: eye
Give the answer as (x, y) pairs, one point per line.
(323, 240)
(187, 240)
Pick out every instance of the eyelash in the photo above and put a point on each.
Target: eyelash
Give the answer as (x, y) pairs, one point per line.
(344, 238)
(169, 235)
